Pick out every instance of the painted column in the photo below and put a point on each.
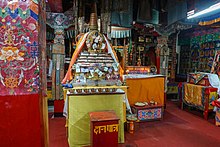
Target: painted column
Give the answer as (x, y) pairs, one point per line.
(58, 57)
(22, 57)
(158, 59)
(162, 53)
(59, 22)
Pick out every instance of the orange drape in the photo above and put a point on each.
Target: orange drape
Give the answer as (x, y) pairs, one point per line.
(145, 90)
(79, 48)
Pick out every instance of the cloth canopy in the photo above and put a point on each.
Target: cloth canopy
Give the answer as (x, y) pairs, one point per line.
(120, 32)
(69, 34)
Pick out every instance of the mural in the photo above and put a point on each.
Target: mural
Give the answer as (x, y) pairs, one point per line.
(19, 52)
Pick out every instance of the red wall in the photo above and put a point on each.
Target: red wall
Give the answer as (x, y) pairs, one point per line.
(20, 121)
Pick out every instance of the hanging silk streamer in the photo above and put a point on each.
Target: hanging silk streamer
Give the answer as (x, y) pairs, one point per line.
(69, 34)
(50, 68)
(57, 77)
(58, 70)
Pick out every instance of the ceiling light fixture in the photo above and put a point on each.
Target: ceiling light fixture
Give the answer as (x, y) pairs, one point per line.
(12, 1)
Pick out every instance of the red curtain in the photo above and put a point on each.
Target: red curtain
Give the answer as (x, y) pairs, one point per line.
(20, 121)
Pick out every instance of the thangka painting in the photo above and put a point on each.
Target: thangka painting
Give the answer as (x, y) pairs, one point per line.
(216, 63)
(19, 52)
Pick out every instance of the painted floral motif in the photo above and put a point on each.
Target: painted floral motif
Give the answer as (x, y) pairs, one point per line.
(11, 53)
(9, 37)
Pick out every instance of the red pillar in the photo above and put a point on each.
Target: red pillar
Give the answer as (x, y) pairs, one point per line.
(158, 60)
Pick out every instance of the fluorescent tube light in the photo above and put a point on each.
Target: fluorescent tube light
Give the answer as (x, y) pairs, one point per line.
(190, 13)
(210, 9)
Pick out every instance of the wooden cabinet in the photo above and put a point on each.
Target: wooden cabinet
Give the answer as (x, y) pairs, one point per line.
(104, 128)
(142, 52)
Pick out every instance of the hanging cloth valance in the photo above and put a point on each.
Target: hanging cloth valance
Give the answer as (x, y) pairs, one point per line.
(69, 34)
(210, 19)
(120, 32)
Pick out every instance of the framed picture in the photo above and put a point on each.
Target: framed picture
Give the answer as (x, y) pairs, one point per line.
(148, 40)
(140, 48)
(140, 39)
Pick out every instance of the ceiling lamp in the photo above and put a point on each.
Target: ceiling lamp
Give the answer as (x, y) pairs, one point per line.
(212, 8)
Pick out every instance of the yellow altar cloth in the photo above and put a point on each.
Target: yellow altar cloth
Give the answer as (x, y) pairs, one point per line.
(124, 88)
(145, 90)
(78, 117)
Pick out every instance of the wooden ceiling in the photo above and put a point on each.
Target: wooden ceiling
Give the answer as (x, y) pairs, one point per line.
(59, 6)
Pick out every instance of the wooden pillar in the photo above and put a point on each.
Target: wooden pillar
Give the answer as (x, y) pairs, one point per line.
(58, 57)
(158, 60)
(124, 55)
(43, 61)
(59, 22)
(162, 52)
(76, 17)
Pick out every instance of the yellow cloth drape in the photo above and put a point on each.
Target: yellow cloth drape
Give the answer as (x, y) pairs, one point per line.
(145, 90)
(124, 88)
(193, 94)
(79, 123)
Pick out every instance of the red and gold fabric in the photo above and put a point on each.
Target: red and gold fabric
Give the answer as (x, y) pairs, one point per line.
(199, 96)
(193, 94)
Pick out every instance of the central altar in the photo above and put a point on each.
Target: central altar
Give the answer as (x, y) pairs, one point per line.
(78, 115)
(93, 83)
